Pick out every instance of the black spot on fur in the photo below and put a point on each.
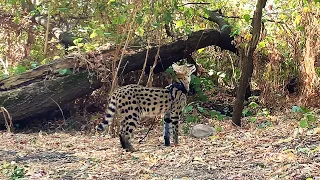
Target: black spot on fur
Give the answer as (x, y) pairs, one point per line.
(111, 109)
(132, 124)
(167, 120)
(175, 122)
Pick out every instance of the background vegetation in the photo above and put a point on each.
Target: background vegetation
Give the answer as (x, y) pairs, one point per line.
(286, 72)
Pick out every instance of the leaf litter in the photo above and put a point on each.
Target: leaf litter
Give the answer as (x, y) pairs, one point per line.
(280, 151)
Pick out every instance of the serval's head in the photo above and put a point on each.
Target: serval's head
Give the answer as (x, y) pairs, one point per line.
(183, 73)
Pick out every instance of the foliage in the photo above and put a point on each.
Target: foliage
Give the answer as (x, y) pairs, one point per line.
(12, 170)
(309, 117)
(254, 111)
(194, 113)
(201, 85)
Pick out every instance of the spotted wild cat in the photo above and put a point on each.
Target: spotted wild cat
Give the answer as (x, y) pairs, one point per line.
(134, 101)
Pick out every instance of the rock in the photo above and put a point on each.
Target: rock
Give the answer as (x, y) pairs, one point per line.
(202, 130)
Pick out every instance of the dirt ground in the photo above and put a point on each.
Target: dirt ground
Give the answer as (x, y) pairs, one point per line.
(280, 151)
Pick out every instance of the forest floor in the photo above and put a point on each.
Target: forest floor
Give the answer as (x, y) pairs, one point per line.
(280, 151)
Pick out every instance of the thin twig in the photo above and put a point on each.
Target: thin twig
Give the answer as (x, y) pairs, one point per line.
(124, 48)
(60, 110)
(8, 122)
(149, 82)
(151, 127)
(238, 17)
(145, 63)
(195, 3)
(47, 32)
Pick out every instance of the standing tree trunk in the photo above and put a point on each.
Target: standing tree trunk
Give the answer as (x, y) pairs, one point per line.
(246, 56)
(310, 79)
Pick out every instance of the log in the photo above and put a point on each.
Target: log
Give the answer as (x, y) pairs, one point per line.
(43, 89)
(45, 96)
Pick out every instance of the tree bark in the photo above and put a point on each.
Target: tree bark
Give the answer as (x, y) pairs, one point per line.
(246, 56)
(310, 77)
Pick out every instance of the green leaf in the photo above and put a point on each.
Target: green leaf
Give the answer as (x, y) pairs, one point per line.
(16, 20)
(296, 109)
(263, 125)
(34, 64)
(63, 9)
(235, 32)
(20, 69)
(191, 119)
(220, 117)
(214, 113)
(93, 34)
(134, 158)
(219, 129)
(305, 110)
(206, 12)
(180, 23)
(200, 50)
(246, 17)
(140, 31)
(311, 117)
(155, 25)
(304, 123)
(119, 20)
(96, 32)
(252, 119)
(246, 112)
(261, 44)
(200, 109)
(203, 97)
(111, 1)
(188, 108)
(167, 17)
(65, 71)
(77, 41)
(253, 105)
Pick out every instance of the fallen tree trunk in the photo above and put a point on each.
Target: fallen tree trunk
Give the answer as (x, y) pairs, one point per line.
(44, 89)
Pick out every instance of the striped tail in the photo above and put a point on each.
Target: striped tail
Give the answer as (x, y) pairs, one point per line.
(110, 112)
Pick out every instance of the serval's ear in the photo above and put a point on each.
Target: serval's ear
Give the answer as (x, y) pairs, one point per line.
(191, 68)
(178, 69)
(175, 67)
